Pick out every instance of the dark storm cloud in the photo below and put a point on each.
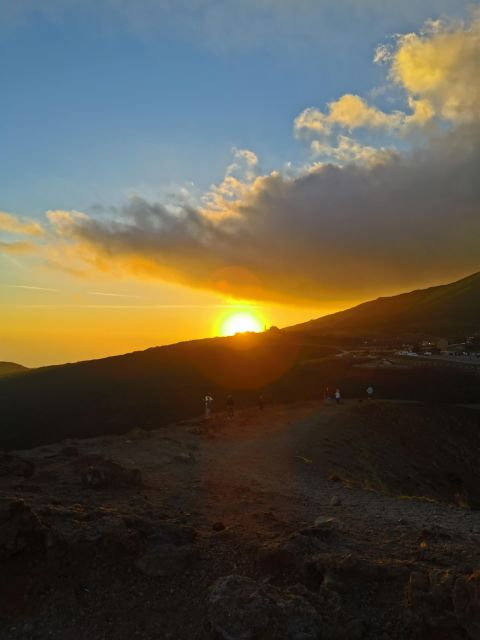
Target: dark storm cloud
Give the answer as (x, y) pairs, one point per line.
(341, 232)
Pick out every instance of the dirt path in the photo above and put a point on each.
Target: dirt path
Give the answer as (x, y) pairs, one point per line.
(264, 485)
(281, 460)
(287, 450)
(285, 455)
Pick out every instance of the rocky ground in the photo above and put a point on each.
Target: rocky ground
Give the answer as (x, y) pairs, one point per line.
(295, 523)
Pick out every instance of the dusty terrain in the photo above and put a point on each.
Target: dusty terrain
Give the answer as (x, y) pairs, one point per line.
(296, 522)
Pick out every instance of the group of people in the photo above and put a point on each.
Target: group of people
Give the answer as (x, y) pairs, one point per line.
(230, 405)
(330, 394)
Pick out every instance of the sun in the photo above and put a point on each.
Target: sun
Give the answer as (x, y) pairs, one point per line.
(239, 322)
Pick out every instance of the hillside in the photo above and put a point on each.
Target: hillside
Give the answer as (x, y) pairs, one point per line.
(292, 523)
(444, 311)
(6, 368)
(161, 385)
(153, 387)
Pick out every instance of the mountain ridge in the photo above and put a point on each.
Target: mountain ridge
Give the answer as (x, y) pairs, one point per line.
(6, 368)
(448, 309)
(165, 384)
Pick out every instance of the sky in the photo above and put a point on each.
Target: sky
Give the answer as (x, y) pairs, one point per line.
(166, 163)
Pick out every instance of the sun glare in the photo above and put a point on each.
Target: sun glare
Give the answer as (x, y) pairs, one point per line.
(239, 322)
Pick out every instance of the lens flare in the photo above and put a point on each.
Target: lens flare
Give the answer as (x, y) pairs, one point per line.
(239, 322)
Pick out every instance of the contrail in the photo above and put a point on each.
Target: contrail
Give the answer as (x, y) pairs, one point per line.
(24, 286)
(114, 295)
(139, 306)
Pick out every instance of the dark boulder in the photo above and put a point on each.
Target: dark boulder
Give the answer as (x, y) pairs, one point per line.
(240, 608)
(466, 603)
(13, 465)
(19, 527)
(99, 472)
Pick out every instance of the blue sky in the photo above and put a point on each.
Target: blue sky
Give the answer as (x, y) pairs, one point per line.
(94, 109)
(163, 159)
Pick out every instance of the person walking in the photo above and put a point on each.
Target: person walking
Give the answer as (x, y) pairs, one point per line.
(230, 405)
(208, 405)
(327, 395)
(338, 396)
(369, 392)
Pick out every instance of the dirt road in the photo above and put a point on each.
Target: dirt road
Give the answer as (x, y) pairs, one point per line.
(303, 500)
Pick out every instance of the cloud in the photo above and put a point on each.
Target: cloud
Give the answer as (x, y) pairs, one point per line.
(62, 220)
(349, 111)
(236, 183)
(16, 247)
(352, 112)
(30, 287)
(441, 67)
(10, 223)
(383, 54)
(245, 165)
(347, 150)
(331, 233)
(113, 295)
(436, 69)
(371, 220)
(310, 121)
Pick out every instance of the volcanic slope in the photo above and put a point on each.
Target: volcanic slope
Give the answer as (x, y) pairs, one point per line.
(6, 368)
(295, 522)
(447, 310)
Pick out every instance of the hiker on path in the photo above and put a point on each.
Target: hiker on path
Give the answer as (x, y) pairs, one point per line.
(208, 405)
(370, 392)
(338, 396)
(327, 395)
(230, 405)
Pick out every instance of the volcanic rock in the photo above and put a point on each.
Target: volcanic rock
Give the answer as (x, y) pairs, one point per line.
(11, 464)
(19, 527)
(98, 472)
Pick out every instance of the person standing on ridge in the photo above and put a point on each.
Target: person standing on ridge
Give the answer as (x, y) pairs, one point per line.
(370, 392)
(208, 405)
(338, 396)
(260, 403)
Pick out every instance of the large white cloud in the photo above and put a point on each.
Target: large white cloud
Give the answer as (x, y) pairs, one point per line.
(436, 70)
(374, 219)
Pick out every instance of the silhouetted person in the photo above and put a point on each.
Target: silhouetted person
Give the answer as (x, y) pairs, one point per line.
(327, 395)
(260, 403)
(230, 405)
(208, 405)
(338, 396)
(370, 392)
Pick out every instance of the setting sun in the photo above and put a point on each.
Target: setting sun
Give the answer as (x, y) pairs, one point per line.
(239, 322)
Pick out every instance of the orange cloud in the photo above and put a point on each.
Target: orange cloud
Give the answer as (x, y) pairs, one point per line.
(15, 224)
(17, 247)
(372, 218)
